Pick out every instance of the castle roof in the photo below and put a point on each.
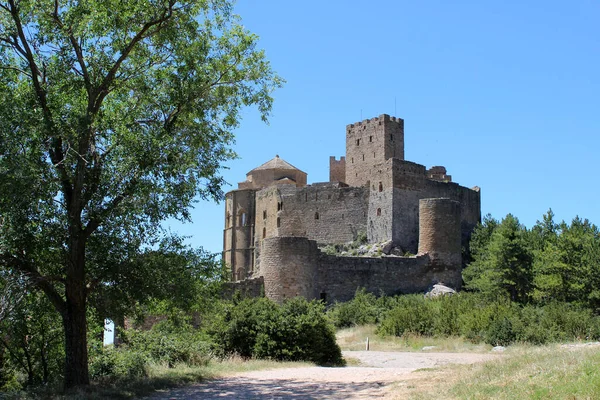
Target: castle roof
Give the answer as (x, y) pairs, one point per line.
(275, 163)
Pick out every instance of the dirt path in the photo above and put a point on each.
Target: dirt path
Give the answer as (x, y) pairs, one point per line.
(370, 379)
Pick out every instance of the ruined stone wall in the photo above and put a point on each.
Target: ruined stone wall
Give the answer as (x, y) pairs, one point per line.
(289, 267)
(250, 287)
(337, 169)
(369, 143)
(238, 235)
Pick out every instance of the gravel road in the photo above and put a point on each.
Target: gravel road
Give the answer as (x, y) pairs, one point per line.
(370, 379)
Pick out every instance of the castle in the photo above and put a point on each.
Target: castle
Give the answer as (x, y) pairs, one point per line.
(275, 222)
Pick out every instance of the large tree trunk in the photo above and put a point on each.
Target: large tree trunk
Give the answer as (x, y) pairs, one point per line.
(74, 320)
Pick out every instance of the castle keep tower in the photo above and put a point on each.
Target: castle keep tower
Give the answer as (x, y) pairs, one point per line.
(370, 143)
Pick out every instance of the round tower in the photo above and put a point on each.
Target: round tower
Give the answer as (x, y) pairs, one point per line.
(439, 233)
(289, 267)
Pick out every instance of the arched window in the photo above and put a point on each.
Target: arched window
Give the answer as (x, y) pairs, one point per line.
(265, 214)
(242, 218)
(264, 233)
(380, 187)
(379, 212)
(278, 222)
(316, 215)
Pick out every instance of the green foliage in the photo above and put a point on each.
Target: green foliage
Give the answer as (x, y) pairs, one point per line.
(551, 262)
(502, 264)
(567, 263)
(361, 238)
(171, 344)
(30, 340)
(118, 364)
(496, 322)
(297, 330)
(113, 118)
(363, 309)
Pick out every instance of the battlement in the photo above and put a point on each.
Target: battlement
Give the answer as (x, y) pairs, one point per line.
(381, 118)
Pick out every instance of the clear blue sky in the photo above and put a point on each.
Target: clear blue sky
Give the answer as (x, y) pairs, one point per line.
(505, 95)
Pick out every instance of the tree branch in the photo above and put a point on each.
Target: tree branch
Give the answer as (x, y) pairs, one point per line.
(98, 218)
(37, 279)
(55, 150)
(104, 87)
(76, 48)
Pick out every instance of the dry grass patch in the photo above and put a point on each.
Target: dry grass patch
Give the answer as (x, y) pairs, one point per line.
(549, 372)
(355, 339)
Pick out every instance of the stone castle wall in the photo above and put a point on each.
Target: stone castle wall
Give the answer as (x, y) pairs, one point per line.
(327, 213)
(289, 267)
(238, 236)
(439, 234)
(337, 169)
(294, 266)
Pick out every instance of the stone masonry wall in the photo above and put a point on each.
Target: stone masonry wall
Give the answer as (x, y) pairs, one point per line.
(440, 236)
(238, 235)
(250, 287)
(369, 143)
(341, 276)
(289, 267)
(327, 213)
(337, 169)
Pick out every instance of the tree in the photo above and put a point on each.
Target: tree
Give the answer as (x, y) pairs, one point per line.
(113, 117)
(503, 267)
(567, 265)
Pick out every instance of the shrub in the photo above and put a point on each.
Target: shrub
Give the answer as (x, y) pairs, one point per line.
(411, 314)
(169, 343)
(117, 363)
(363, 309)
(297, 330)
(496, 322)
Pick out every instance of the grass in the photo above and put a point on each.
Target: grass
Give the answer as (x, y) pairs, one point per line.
(159, 377)
(355, 339)
(548, 372)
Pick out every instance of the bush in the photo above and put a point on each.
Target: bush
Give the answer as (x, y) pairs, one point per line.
(412, 314)
(169, 343)
(496, 322)
(118, 363)
(363, 309)
(297, 330)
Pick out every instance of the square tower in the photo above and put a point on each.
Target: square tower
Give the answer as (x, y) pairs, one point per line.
(369, 143)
